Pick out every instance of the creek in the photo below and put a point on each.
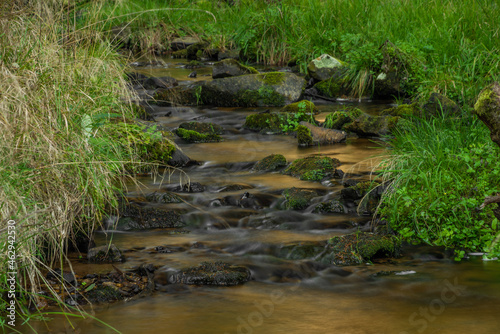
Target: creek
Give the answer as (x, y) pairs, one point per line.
(423, 291)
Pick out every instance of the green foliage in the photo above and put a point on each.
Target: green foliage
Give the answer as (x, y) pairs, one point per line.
(441, 170)
(304, 136)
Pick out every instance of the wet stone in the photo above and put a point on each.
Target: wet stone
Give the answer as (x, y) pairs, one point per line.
(105, 253)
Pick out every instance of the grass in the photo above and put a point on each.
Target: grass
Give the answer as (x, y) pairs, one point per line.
(440, 170)
(60, 165)
(452, 45)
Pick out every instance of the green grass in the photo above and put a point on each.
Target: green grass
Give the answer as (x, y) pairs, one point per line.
(452, 46)
(440, 171)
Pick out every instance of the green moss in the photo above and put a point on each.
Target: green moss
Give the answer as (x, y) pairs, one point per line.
(264, 96)
(311, 168)
(359, 248)
(272, 122)
(333, 206)
(304, 137)
(271, 162)
(303, 106)
(194, 64)
(180, 54)
(333, 87)
(196, 137)
(486, 103)
(199, 54)
(403, 110)
(272, 78)
(204, 128)
(298, 199)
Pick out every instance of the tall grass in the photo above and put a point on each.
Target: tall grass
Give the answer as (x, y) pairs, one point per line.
(457, 40)
(440, 170)
(58, 173)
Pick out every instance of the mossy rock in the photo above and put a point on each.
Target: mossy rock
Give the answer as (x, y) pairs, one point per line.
(334, 87)
(303, 106)
(139, 217)
(204, 128)
(105, 254)
(253, 90)
(403, 110)
(300, 251)
(231, 68)
(193, 64)
(439, 104)
(363, 195)
(304, 137)
(322, 136)
(180, 54)
(358, 248)
(195, 51)
(332, 206)
(195, 137)
(103, 294)
(213, 273)
(326, 66)
(270, 163)
(163, 197)
(487, 108)
(180, 95)
(181, 43)
(338, 119)
(313, 168)
(297, 198)
(358, 191)
(370, 126)
(272, 122)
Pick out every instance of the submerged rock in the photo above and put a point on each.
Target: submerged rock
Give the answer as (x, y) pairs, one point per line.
(326, 66)
(271, 163)
(313, 168)
(231, 68)
(105, 254)
(253, 90)
(211, 273)
(140, 217)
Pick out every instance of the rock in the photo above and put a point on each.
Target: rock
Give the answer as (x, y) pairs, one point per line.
(202, 127)
(358, 248)
(272, 122)
(338, 119)
(120, 35)
(163, 197)
(105, 254)
(136, 78)
(193, 74)
(363, 195)
(322, 136)
(195, 51)
(178, 157)
(303, 106)
(181, 43)
(231, 68)
(301, 251)
(161, 82)
(192, 187)
(271, 163)
(192, 136)
(304, 137)
(252, 90)
(335, 87)
(440, 105)
(313, 168)
(298, 199)
(487, 108)
(180, 95)
(332, 206)
(387, 85)
(66, 276)
(211, 273)
(229, 54)
(326, 66)
(140, 217)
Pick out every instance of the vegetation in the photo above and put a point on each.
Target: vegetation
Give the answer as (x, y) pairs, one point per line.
(446, 46)
(440, 170)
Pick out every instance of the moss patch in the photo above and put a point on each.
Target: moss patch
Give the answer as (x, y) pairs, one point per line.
(333, 206)
(298, 199)
(333, 87)
(272, 78)
(303, 106)
(271, 162)
(304, 136)
(205, 128)
(196, 137)
(272, 122)
(358, 248)
(314, 168)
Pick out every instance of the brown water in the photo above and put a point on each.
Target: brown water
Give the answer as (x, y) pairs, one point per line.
(430, 293)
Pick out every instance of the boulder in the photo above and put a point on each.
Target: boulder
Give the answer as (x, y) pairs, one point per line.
(105, 254)
(231, 68)
(325, 67)
(160, 82)
(181, 43)
(322, 136)
(335, 87)
(487, 108)
(254, 90)
(313, 168)
(270, 163)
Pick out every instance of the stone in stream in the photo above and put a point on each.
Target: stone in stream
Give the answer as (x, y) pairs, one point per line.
(182, 43)
(139, 216)
(105, 253)
(253, 90)
(271, 163)
(159, 82)
(313, 168)
(202, 127)
(321, 136)
(297, 198)
(303, 106)
(207, 273)
(231, 68)
(271, 123)
(326, 66)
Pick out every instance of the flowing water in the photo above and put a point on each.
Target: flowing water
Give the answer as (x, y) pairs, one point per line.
(423, 292)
